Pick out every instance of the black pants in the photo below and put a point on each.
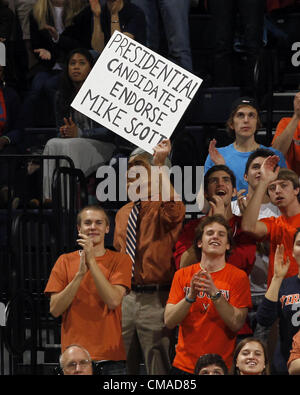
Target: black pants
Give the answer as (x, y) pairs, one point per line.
(224, 13)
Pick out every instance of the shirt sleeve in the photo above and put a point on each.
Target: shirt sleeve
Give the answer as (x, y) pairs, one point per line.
(177, 290)
(267, 312)
(58, 279)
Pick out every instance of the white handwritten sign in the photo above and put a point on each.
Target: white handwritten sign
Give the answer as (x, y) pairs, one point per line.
(136, 93)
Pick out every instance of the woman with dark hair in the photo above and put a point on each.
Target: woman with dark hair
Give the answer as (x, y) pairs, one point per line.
(87, 143)
(250, 358)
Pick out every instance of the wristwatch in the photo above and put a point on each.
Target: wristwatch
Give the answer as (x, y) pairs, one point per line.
(189, 300)
(216, 296)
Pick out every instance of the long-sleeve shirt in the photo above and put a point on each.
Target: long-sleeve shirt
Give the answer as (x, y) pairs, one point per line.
(159, 225)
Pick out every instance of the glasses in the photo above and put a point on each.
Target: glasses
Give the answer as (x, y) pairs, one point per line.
(84, 364)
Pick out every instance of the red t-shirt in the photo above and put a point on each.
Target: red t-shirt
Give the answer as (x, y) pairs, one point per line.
(293, 155)
(203, 330)
(281, 230)
(88, 321)
(243, 252)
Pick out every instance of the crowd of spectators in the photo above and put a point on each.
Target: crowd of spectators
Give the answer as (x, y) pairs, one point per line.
(222, 279)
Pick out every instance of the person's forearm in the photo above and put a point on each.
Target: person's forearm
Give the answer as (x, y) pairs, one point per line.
(97, 41)
(233, 317)
(108, 293)
(251, 213)
(114, 23)
(176, 313)
(60, 302)
(284, 140)
(273, 290)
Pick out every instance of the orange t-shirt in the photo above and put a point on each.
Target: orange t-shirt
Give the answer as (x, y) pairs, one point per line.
(203, 330)
(293, 155)
(88, 321)
(281, 230)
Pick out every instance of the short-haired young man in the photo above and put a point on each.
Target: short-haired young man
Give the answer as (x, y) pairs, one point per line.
(219, 188)
(282, 186)
(242, 125)
(208, 300)
(86, 288)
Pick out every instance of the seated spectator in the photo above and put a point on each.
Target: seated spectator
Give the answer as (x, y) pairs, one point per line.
(208, 300)
(118, 15)
(77, 133)
(10, 135)
(76, 360)
(48, 19)
(211, 364)
(281, 301)
(287, 137)
(219, 188)
(250, 358)
(242, 124)
(294, 359)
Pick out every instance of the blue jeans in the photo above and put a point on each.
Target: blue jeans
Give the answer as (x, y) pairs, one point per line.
(174, 15)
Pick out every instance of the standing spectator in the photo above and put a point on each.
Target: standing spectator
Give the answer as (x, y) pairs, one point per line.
(172, 18)
(282, 301)
(208, 300)
(287, 137)
(251, 14)
(294, 359)
(242, 124)
(76, 360)
(259, 273)
(250, 358)
(283, 188)
(86, 288)
(158, 225)
(118, 15)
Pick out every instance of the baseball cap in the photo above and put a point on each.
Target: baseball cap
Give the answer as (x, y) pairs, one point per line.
(246, 101)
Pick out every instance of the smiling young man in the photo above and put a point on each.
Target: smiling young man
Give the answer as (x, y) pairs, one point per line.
(208, 300)
(242, 125)
(86, 288)
(219, 188)
(282, 186)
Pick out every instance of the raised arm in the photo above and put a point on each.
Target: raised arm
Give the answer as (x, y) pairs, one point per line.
(284, 140)
(250, 223)
(97, 41)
